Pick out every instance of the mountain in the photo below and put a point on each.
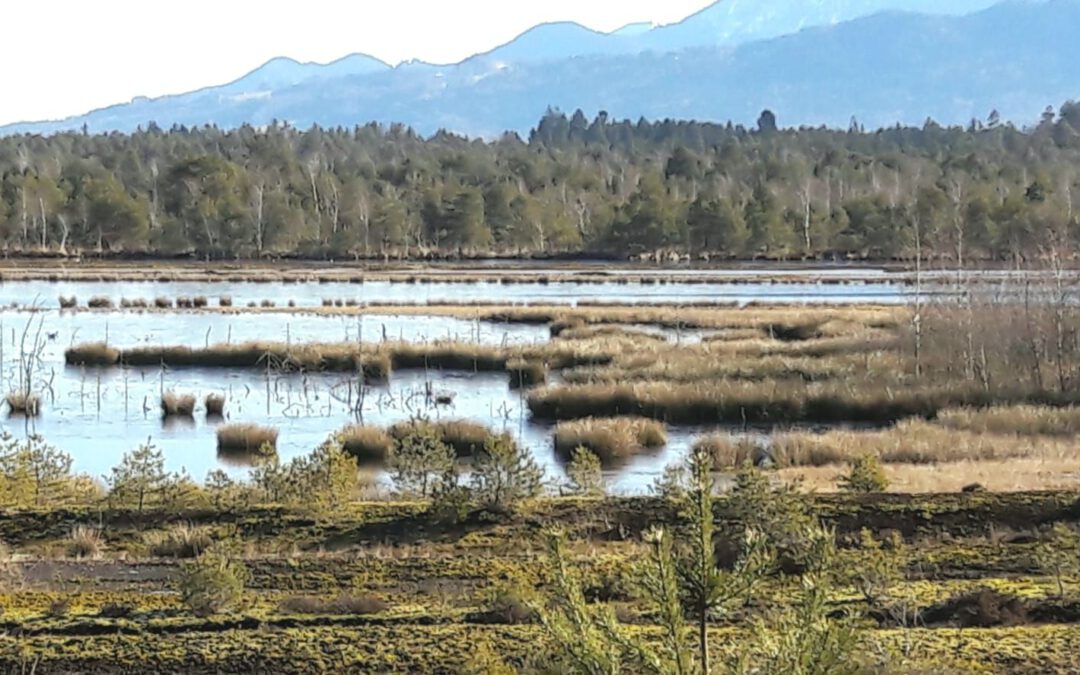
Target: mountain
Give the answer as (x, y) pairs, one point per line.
(1016, 57)
(281, 73)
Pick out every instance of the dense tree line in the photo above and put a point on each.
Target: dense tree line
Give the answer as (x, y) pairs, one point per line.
(576, 185)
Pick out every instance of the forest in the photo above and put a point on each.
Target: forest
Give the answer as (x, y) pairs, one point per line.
(601, 187)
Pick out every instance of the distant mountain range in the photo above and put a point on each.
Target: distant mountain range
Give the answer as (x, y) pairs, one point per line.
(812, 61)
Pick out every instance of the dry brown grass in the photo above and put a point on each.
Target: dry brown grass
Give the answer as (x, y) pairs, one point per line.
(525, 374)
(100, 302)
(1008, 475)
(181, 540)
(731, 452)
(92, 354)
(248, 439)
(177, 405)
(613, 440)
(465, 437)
(85, 542)
(369, 445)
(215, 405)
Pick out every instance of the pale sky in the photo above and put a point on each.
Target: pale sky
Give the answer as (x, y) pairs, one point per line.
(65, 57)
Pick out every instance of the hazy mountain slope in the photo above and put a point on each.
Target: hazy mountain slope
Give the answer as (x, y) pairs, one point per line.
(1016, 57)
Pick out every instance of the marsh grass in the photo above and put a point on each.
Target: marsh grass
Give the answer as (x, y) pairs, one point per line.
(465, 437)
(225, 301)
(177, 405)
(215, 405)
(92, 354)
(68, 302)
(200, 301)
(24, 404)
(613, 440)
(248, 439)
(371, 446)
(1021, 419)
(163, 303)
(525, 374)
(100, 302)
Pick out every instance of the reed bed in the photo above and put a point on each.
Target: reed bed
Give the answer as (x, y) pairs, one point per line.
(215, 405)
(613, 440)
(371, 446)
(465, 437)
(248, 439)
(24, 404)
(177, 405)
(770, 403)
(1022, 419)
(92, 354)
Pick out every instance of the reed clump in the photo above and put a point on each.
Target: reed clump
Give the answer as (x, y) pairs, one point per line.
(613, 440)
(525, 374)
(68, 302)
(200, 301)
(163, 303)
(92, 354)
(250, 439)
(215, 405)
(177, 405)
(23, 403)
(100, 302)
(225, 301)
(465, 437)
(184, 302)
(369, 445)
(181, 540)
(134, 303)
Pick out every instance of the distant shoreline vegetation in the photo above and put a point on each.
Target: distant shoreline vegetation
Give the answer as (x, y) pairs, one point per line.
(575, 189)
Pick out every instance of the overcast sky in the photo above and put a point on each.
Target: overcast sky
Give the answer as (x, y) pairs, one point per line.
(64, 57)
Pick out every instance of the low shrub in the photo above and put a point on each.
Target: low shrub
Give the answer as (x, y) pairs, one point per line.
(212, 583)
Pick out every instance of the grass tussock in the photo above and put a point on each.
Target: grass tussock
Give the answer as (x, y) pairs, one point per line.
(85, 542)
(215, 405)
(525, 374)
(68, 302)
(22, 403)
(163, 303)
(249, 439)
(369, 445)
(225, 301)
(465, 437)
(100, 302)
(181, 541)
(613, 440)
(177, 405)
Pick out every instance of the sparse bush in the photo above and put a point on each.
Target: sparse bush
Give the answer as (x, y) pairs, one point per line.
(84, 542)
(212, 583)
(504, 474)
(420, 459)
(178, 405)
(866, 476)
(585, 473)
